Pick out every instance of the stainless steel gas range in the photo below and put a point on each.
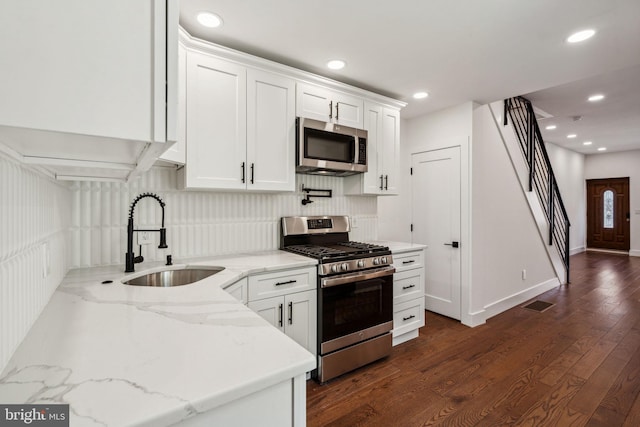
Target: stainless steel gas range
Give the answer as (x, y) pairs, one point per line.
(355, 292)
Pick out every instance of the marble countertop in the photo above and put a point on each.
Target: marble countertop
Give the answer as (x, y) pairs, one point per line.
(135, 355)
(399, 247)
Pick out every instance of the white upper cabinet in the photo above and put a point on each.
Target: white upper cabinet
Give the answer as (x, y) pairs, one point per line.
(216, 123)
(271, 124)
(88, 86)
(178, 151)
(319, 103)
(383, 153)
(240, 127)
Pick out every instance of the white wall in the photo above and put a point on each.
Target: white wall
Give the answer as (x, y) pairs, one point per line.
(34, 221)
(499, 234)
(505, 236)
(620, 165)
(446, 128)
(568, 167)
(199, 223)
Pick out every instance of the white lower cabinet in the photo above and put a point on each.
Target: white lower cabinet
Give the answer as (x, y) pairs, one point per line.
(288, 300)
(239, 290)
(408, 295)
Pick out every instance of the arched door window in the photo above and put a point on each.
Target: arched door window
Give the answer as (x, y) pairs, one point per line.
(608, 209)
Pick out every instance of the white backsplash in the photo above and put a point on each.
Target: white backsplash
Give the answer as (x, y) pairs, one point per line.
(35, 216)
(199, 223)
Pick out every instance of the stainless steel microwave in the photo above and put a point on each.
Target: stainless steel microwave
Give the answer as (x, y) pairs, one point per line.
(329, 149)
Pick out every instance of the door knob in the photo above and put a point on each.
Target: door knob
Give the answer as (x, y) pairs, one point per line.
(454, 244)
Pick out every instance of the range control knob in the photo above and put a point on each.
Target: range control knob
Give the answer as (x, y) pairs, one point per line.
(344, 266)
(361, 263)
(376, 261)
(383, 260)
(334, 268)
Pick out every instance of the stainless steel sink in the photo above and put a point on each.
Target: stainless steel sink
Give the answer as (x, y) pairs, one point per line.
(179, 277)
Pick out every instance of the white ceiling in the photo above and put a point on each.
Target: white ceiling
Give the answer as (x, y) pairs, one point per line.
(457, 50)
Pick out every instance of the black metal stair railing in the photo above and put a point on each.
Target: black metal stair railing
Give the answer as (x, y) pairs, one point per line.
(541, 177)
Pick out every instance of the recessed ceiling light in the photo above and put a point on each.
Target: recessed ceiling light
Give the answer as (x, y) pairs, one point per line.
(598, 97)
(602, 149)
(580, 36)
(571, 135)
(551, 127)
(336, 64)
(209, 20)
(420, 95)
(587, 143)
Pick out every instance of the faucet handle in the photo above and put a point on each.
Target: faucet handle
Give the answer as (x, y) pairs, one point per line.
(169, 260)
(163, 239)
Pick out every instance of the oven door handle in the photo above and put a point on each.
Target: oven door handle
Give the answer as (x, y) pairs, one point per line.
(357, 276)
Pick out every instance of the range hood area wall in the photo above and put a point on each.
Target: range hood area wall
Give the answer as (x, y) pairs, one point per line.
(199, 223)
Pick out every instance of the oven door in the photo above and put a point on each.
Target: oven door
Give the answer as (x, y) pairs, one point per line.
(355, 307)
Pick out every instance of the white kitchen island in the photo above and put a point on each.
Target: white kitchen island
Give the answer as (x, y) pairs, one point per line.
(123, 355)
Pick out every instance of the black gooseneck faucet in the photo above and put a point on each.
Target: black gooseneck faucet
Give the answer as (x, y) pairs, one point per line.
(130, 258)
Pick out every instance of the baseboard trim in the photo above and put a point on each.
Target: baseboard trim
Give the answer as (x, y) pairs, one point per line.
(497, 307)
(634, 252)
(577, 250)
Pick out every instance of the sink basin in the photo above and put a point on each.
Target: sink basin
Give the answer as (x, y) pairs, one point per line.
(177, 277)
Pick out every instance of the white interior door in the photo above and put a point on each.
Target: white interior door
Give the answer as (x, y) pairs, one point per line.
(436, 223)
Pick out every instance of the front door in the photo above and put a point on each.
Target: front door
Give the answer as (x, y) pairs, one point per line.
(436, 223)
(608, 224)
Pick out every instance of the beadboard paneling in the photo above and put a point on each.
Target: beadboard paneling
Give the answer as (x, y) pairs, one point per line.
(34, 220)
(199, 223)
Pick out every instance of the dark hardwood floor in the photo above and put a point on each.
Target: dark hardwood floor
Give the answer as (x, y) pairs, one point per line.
(575, 364)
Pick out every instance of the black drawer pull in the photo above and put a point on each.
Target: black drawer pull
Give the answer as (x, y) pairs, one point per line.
(288, 282)
(404, 319)
(408, 262)
(408, 287)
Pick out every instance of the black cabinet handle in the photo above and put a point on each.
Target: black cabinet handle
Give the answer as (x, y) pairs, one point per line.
(337, 111)
(331, 110)
(288, 282)
(243, 172)
(386, 182)
(404, 319)
(280, 318)
(252, 169)
(408, 262)
(408, 287)
(381, 180)
(290, 313)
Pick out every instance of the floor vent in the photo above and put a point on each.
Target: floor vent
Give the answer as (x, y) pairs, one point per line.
(538, 306)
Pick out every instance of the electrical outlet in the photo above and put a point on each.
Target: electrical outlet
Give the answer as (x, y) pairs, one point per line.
(524, 274)
(145, 238)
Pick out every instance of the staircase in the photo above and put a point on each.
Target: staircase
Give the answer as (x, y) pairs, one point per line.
(540, 174)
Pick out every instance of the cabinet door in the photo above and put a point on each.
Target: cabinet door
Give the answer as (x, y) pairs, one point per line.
(348, 110)
(314, 102)
(270, 132)
(271, 309)
(95, 68)
(390, 150)
(216, 123)
(300, 318)
(373, 179)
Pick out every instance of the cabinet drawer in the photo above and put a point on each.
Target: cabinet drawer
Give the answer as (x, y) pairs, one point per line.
(408, 260)
(408, 316)
(281, 283)
(408, 285)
